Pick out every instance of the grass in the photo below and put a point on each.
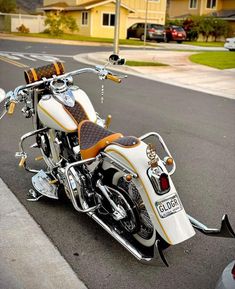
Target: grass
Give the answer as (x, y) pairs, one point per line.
(220, 59)
(76, 37)
(205, 44)
(143, 63)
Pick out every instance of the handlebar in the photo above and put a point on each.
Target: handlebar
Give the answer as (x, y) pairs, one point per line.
(99, 70)
(113, 78)
(11, 108)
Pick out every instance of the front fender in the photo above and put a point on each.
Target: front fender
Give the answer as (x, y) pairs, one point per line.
(174, 228)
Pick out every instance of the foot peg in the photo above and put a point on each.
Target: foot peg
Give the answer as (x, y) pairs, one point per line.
(33, 196)
(225, 231)
(44, 185)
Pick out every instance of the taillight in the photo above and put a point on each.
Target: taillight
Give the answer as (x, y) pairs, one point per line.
(164, 182)
(233, 271)
(151, 30)
(174, 32)
(159, 180)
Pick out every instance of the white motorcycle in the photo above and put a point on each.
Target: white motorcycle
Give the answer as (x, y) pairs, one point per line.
(121, 182)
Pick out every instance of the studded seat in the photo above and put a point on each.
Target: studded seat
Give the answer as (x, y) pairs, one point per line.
(94, 138)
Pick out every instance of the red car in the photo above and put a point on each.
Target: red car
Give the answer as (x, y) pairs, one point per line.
(175, 33)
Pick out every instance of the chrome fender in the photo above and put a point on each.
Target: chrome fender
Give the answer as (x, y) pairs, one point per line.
(174, 228)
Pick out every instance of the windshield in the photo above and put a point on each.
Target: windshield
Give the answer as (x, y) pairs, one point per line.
(177, 28)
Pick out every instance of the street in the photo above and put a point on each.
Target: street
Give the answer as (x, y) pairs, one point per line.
(199, 131)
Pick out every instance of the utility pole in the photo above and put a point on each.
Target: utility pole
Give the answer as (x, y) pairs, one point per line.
(146, 20)
(116, 28)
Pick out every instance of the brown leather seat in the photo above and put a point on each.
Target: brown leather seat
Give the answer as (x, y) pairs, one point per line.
(94, 138)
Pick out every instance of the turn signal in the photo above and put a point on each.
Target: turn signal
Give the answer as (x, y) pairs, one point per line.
(128, 178)
(169, 161)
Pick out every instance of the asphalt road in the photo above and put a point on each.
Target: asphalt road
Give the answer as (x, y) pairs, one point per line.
(199, 130)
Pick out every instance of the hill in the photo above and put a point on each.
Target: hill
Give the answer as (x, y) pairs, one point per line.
(28, 5)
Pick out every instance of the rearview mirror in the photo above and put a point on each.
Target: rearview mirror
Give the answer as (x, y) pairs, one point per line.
(115, 60)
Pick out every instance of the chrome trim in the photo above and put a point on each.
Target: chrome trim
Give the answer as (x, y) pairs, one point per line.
(125, 243)
(22, 151)
(119, 165)
(72, 197)
(154, 175)
(119, 213)
(171, 172)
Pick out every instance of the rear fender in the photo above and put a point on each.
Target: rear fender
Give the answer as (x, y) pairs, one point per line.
(174, 228)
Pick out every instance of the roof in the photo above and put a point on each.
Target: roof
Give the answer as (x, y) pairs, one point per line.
(85, 6)
(225, 13)
(57, 4)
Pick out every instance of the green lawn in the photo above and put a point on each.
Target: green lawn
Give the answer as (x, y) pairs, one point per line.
(82, 38)
(220, 59)
(143, 63)
(205, 44)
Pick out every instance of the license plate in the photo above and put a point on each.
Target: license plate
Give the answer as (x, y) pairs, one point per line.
(168, 207)
(180, 34)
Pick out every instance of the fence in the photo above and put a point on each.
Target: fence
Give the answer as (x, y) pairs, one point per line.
(10, 22)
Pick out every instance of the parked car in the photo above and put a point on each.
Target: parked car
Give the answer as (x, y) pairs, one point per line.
(154, 32)
(175, 33)
(227, 279)
(230, 44)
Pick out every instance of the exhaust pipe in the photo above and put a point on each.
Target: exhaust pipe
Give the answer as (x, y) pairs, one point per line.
(126, 244)
(225, 231)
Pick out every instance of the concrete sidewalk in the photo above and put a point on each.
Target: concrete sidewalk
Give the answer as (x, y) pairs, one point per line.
(180, 72)
(28, 259)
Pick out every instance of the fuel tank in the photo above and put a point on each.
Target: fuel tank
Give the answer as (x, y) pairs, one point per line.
(55, 115)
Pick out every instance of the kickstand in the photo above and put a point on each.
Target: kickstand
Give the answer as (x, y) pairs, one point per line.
(33, 196)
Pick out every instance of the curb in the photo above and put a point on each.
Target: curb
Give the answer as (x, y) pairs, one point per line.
(28, 258)
(99, 58)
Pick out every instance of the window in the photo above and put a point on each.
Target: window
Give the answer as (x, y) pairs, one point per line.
(84, 18)
(192, 4)
(211, 4)
(108, 19)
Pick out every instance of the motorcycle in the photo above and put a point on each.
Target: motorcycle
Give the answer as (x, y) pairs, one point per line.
(121, 182)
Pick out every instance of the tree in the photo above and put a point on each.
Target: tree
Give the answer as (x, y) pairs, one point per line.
(206, 26)
(59, 23)
(220, 28)
(7, 6)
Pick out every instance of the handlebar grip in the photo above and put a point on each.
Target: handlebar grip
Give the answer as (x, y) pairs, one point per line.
(11, 108)
(113, 78)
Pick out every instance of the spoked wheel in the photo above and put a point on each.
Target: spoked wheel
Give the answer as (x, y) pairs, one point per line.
(131, 222)
(146, 235)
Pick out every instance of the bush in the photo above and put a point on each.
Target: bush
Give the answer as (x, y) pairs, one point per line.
(22, 29)
(220, 28)
(190, 27)
(59, 23)
(205, 25)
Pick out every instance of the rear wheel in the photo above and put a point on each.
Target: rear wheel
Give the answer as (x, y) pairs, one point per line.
(146, 234)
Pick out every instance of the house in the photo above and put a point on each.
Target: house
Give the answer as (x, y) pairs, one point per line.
(97, 18)
(224, 9)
